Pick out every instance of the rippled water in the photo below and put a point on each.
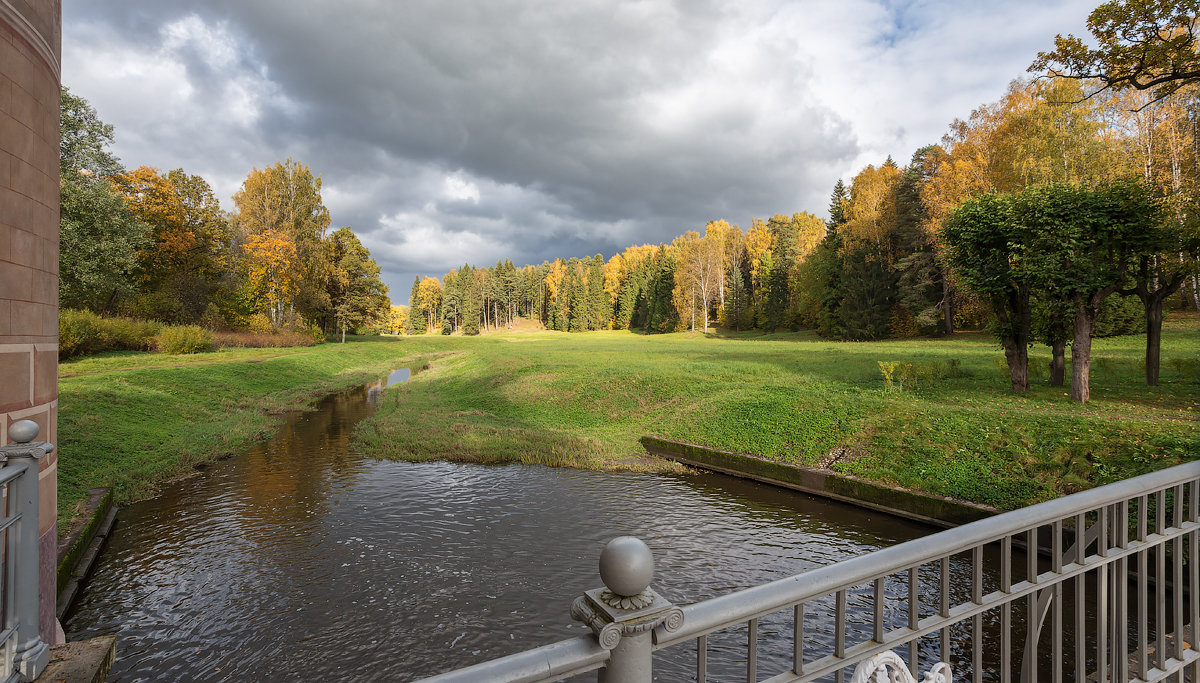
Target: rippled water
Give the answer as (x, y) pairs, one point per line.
(305, 560)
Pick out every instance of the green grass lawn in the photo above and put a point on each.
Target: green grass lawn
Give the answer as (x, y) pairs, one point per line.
(131, 420)
(585, 399)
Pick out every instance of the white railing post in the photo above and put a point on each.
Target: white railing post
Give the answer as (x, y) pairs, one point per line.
(21, 551)
(624, 613)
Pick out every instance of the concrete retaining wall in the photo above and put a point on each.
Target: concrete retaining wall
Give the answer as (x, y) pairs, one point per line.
(922, 507)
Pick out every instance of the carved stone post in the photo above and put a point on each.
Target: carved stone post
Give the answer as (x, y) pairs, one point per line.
(21, 550)
(624, 613)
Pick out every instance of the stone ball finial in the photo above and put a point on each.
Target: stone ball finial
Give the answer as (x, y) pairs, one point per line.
(626, 566)
(23, 431)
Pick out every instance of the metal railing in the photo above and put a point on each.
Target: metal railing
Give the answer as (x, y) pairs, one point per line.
(1114, 570)
(25, 655)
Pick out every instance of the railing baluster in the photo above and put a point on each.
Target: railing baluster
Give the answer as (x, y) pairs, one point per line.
(1103, 626)
(1006, 610)
(977, 620)
(1120, 596)
(798, 639)
(877, 632)
(1143, 595)
(1080, 599)
(1056, 622)
(1160, 579)
(702, 659)
(839, 634)
(1177, 574)
(914, 616)
(752, 652)
(944, 606)
(1029, 658)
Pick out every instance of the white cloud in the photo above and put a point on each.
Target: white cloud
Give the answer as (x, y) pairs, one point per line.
(458, 187)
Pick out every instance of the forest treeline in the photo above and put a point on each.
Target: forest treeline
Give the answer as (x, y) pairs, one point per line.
(156, 245)
(879, 266)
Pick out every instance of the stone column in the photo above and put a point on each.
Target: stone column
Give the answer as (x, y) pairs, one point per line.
(624, 613)
(30, 48)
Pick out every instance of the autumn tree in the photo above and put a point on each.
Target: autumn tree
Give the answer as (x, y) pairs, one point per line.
(701, 272)
(1141, 44)
(99, 239)
(285, 198)
(272, 272)
(429, 300)
(358, 296)
(189, 247)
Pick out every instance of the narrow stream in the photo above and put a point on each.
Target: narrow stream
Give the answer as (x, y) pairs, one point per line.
(304, 559)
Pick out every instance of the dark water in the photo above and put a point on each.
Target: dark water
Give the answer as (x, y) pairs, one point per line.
(305, 560)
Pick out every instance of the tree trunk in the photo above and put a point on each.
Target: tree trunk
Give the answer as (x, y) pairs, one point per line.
(108, 306)
(1154, 318)
(1081, 351)
(1058, 363)
(1016, 352)
(948, 304)
(1196, 292)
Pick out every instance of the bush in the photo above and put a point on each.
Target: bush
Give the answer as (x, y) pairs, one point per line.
(78, 333)
(82, 332)
(128, 334)
(251, 340)
(259, 323)
(184, 339)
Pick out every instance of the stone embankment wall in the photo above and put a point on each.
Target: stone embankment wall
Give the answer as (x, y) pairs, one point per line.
(30, 49)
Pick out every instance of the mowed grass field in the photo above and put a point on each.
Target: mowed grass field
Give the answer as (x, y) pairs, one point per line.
(132, 420)
(585, 400)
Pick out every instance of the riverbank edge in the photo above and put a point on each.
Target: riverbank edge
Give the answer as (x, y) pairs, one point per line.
(296, 399)
(78, 550)
(921, 507)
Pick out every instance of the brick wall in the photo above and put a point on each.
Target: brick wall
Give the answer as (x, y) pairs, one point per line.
(30, 46)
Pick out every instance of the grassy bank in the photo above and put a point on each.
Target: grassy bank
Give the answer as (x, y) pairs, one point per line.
(585, 399)
(130, 420)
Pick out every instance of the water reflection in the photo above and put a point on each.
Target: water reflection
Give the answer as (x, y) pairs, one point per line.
(303, 559)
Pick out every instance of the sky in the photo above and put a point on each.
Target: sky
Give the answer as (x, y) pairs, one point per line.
(471, 132)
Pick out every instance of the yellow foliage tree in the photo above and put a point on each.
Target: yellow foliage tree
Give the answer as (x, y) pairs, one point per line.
(271, 260)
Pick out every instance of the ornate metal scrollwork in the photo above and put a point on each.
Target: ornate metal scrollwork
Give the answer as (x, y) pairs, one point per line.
(888, 667)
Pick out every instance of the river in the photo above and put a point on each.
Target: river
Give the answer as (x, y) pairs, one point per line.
(304, 559)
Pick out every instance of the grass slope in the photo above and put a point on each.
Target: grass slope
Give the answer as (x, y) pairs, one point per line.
(131, 420)
(585, 399)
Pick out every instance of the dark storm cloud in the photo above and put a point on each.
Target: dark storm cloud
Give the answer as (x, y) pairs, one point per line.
(449, 132)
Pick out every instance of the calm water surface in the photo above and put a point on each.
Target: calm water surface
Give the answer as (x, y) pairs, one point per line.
(304, 559)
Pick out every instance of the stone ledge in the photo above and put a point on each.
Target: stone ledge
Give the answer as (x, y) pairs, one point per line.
(922, 507)
(86, 661)
(79, 548)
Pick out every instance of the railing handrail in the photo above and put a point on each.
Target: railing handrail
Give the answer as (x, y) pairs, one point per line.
(733, 608)
(562, 659)
(581, 654)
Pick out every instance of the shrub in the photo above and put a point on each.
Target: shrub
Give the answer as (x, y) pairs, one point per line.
(184, 339)
(250, 340)
(259, 323)
(128, 334)
(78, 333)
